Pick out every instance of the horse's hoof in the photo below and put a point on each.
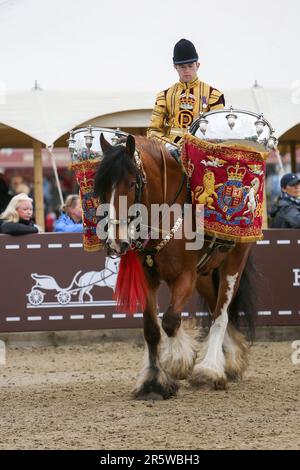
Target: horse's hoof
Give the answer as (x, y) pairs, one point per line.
(204, 377)
(151, 396)
(220, 384)
(156, 391)
(233, 376)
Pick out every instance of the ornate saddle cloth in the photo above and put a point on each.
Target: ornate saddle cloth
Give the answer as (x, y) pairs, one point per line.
(229, 182)
(85, 175)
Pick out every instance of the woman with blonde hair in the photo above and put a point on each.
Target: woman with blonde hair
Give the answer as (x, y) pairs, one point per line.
(17, 217)
(71, 217)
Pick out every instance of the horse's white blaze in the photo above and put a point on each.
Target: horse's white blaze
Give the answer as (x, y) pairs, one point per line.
(177, 354)
(214, 358)
(111, 235)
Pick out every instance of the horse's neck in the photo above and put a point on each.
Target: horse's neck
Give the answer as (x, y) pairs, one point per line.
(154, 170)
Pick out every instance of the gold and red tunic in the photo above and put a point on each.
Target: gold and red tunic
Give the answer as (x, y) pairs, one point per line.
(177, 107)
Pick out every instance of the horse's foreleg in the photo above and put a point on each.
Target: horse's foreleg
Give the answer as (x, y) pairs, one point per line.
(178, 350)
(212, 369)
(153, 382)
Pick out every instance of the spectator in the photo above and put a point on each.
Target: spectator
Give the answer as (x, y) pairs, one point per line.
(5, 197)
(286, 211)
(15, 181)
(17, 218)
(71, 217)
(22, 188)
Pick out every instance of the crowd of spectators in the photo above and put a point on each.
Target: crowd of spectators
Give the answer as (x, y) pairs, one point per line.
(17, 208)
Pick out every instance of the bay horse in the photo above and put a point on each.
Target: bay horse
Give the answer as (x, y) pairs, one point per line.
(215, 271)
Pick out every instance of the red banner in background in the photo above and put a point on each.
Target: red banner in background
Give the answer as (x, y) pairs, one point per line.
(229, 182)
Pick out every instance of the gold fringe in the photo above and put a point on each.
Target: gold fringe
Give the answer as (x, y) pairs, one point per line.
(93, 248)
(234, 238)
(85, 165)
(248, 152)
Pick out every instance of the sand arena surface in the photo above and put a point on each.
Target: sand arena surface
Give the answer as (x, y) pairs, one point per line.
(78, 397)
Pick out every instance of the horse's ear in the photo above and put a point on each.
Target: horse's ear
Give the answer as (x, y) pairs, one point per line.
(104, 144)
(130, 145)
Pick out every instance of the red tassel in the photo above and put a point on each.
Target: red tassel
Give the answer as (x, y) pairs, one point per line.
(131, 288)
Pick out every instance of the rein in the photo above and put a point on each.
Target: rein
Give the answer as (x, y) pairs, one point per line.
(138, 244)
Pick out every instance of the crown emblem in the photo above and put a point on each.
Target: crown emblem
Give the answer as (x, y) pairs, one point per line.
(236, 172)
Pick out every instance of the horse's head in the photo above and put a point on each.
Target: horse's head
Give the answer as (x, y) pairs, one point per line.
(118, 176)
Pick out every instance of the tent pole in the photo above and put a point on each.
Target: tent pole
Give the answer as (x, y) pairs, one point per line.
(38, 184)
(50, 148)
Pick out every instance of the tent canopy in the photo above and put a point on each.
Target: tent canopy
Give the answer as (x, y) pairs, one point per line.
(46, 116)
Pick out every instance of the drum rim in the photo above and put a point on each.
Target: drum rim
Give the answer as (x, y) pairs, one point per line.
(105, 129)
(229, 111)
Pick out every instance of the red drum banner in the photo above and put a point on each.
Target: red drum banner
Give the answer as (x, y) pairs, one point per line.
(229, 182)
(85, 174)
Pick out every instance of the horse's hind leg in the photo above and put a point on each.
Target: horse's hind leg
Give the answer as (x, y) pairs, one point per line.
(153, 383)
(212, 369)
(178, 351)
(236, 350)
(235, 346)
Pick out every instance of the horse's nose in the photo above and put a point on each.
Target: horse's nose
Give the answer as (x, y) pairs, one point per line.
(124, 245)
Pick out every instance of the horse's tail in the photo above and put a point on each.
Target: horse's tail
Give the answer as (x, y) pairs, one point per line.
(245, 299)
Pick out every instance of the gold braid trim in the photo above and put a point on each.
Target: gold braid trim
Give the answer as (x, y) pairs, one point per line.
(85, 165)
(246, 151)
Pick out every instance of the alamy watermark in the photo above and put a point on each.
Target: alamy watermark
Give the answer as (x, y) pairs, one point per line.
(160, 222)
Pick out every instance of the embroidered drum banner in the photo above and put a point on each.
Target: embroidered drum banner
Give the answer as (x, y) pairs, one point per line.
(85, 174)
(229, 182)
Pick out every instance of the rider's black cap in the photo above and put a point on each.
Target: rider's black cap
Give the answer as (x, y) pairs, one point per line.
(290, 179)
(184, 52)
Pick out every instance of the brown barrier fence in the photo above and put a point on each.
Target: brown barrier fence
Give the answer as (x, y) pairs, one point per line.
(48, 283)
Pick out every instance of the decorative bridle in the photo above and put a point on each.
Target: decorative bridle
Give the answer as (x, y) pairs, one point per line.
(140, 182)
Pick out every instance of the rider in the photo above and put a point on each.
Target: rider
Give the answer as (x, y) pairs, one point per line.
(177, 107)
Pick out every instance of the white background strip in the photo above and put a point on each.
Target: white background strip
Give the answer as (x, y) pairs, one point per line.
(12, 247)
(34, 246)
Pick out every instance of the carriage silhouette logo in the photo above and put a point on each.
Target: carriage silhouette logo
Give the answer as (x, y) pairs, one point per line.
(80, 288)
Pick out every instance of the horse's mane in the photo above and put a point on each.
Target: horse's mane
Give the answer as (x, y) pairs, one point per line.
(117, 164)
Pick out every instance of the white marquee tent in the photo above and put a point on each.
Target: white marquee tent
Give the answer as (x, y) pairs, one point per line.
(48, 115)
(44, 117)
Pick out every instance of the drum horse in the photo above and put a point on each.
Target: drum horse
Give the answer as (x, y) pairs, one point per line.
(221, 271)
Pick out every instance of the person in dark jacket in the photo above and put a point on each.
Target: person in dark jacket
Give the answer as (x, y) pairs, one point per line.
(17, 217)
(71, 217)
(286, 211)
(5, 197)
